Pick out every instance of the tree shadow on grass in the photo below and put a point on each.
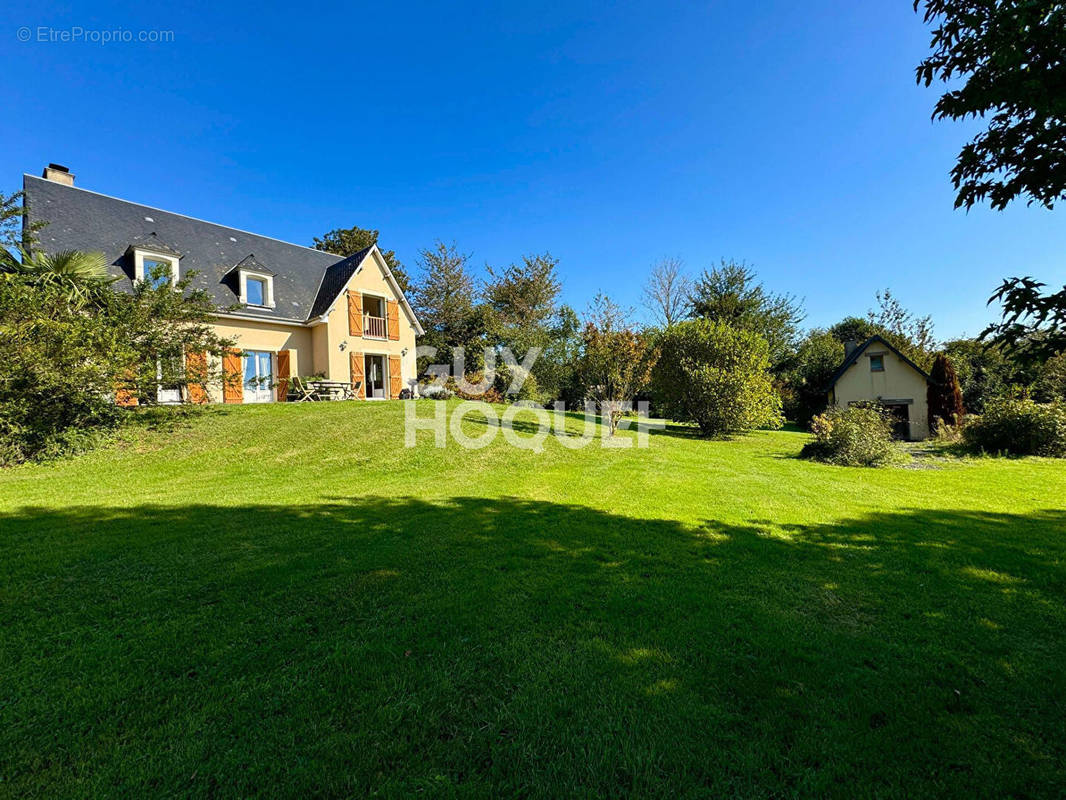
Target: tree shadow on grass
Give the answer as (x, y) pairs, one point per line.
(512, 646)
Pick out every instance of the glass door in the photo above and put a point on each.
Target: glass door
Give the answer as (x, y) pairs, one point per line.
(375, 376)
(258, 377)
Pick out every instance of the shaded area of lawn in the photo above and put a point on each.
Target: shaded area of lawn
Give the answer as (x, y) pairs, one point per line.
(509, 646)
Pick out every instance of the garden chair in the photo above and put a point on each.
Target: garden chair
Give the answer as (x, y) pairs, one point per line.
(303, 391)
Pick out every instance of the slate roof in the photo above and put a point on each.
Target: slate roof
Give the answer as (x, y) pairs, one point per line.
(78, 219)
(335, 279)
(858, 351)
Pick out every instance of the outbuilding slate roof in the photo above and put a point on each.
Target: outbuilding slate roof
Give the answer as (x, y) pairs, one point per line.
(306, 281)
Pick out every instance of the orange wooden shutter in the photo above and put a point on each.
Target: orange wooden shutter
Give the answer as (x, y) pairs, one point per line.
(196, 374)
(123, 396)
(395, 377)
(355, 314)
(356, 360)
(393, 311)
(283, 375)
(232, 377)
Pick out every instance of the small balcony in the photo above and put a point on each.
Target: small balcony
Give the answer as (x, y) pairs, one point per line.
(374, 327)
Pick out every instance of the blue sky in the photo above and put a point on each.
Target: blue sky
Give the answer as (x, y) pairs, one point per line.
(790, 135)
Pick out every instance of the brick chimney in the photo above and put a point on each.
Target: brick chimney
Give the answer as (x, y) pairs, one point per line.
(850, 346)
(59, 174)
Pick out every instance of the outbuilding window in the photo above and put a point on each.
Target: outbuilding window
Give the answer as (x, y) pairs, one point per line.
(877, 363)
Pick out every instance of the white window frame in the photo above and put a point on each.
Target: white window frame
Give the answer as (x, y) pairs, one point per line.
(139, 257)
(268, 288)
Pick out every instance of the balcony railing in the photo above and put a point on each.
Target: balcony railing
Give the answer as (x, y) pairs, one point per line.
(374, 327)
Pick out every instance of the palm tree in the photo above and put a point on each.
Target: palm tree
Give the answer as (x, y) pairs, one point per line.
(81, 274)
(72, 265)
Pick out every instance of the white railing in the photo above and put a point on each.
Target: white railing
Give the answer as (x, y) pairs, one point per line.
(374, 327)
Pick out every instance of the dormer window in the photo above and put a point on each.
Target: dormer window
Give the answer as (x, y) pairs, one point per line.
(159, 268)
(257, 289)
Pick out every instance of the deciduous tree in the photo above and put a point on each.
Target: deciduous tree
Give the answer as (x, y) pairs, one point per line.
(807, 382)
(445, 300)
(616, 361)
(347, 241)
(666, 294)
(1004, 60)
(1033, 325)
(730, 293)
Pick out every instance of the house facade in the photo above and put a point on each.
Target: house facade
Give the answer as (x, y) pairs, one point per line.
(877, 372)
(292, 310)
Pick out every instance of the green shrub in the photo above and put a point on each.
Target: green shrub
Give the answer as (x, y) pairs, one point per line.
(716, 376)
(66, 346)
(507, 374)
(855, 436)
(56, 372)
(806, 383)
(1020, 427)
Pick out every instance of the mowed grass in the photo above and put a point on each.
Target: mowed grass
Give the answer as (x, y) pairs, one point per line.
(285, 601)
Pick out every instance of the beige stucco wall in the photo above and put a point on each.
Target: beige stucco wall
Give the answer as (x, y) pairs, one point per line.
(369, 280)
(898, 383)
(271, 337)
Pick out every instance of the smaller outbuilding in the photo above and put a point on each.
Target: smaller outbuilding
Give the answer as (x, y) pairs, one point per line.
(877, 372)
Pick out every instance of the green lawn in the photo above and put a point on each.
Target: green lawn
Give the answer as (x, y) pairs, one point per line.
(282, 600)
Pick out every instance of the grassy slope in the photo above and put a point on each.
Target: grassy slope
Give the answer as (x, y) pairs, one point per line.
(284, 599)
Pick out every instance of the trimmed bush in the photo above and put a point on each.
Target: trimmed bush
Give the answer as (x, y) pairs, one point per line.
(1019, 427)
(716, 376)
(855, 436)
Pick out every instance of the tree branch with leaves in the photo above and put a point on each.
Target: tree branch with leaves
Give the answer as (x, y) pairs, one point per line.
(1008, 56)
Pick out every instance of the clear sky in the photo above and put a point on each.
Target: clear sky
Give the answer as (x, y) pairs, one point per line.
(790, 135)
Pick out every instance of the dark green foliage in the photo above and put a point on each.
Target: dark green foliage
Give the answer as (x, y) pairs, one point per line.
(853, 436)
(556, 370)
(984, 372)
(1050, 383)
(1033, 325)
(16, 238)
(163, 325)
(63, 353)
(716, 376)
(855, 329)
(806, 384)
(730, 293)
(1020, 427)
(346, 241)
(1004, 59)
(57, 371)
(524, 311)
(943, 395)
(445, 301)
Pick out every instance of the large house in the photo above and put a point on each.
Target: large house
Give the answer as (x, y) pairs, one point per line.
(293, 311)
(877, 372)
